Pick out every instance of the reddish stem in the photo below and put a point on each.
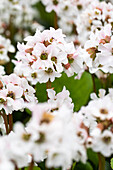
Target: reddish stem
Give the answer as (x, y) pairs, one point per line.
(10, 122)
(48, 86)
(31, 165)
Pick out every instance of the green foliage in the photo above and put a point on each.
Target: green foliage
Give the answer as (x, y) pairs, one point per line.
(81, 166)
(93, 158)
(73, 166)
(79, 89)
(46, 19)
(34, 168)
(111, 163)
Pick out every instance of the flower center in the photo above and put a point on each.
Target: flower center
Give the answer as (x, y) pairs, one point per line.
(70, 58)
(44, 56)
(54, 59)
(106, 139)
(41, 138)
(49, 70)
(104, 111)
(92, 51)
(34, 75)
(11, 94)
(55, 2)
(26, 137)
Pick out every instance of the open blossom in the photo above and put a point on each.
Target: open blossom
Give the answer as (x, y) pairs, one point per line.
(75, 60)
(21, 15)
(57, 135)
(5, 47)
(13, 93)
(98, 51)
(52, 5)
(60, 137)
(14, 148)
(45, 56)
(56, 101)
(96, 15)
(98, 117)
(102, 142)
(70, 10)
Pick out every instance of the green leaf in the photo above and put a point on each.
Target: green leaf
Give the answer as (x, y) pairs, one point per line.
(81, 166)
(46, 19)
(28, 111)
(93, 158)
(41, 92)
(79, 89)
(111, 163)
(73, 166)
(34, 168)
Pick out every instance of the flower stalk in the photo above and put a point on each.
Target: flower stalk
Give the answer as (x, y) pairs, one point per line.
(101, 161)
(94, 85)
(10, 122)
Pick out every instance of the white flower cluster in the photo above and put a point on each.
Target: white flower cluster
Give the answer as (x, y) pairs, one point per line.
(14, 92)
(94, 16)
(19, 14)
(45, 56)
(59, 6)
(57, 135)
(5, 47)
(70, 10)
(56, 101)
(80, 17)
(98, 117)
(98, 52)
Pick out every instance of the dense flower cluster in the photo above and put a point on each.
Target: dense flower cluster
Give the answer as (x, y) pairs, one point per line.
(53, 132)
(70, 10)
(95, 16)
(45, 56)
(14, 92)
(20, 14)
(5, 47)
(80, 17)
(98, 51)
(98, 117)
(37, 139)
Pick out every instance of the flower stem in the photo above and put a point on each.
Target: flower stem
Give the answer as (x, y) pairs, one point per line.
(101, 162)
(94, 85)
(48, 86)
(55, 21)
(10, 122)
(31, 165)
(5, 121)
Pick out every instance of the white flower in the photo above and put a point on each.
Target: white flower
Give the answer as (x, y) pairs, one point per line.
(5, 47)
(102, 142)
(58, 100)
(45, 56)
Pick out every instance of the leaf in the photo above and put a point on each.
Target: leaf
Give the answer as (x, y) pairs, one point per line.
(46, 19)
(73, 166)
(93, 158)
(79, 89)
(34, 168)
(111, 163)
(81, 166)
(41, 92)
